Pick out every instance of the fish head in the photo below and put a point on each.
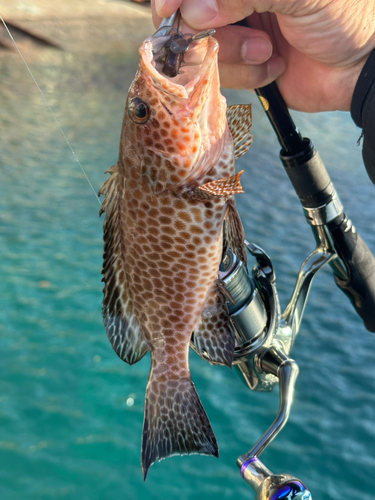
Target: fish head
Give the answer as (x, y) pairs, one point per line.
(175, 126)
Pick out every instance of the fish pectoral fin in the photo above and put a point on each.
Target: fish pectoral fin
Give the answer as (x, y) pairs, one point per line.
(223, 187)
(215, 333)
(234, 233)
(239, 122)
(174, 422)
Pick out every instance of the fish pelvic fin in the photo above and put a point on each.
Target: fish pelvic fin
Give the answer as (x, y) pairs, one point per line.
(122, 328)
(239, 122)
(234, 233)
(214, 334)
(175, 422)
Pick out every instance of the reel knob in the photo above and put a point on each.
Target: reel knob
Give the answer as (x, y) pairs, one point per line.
(282, 487)
(268, 486)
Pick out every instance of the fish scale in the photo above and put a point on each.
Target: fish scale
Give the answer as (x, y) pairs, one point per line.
(165, 204)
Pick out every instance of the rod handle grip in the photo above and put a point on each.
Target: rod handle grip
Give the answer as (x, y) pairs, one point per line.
(360, 264)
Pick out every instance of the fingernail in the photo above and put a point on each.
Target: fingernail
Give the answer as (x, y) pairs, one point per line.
(198, 13)
(159, 4)
(276, 66)
(256, 50)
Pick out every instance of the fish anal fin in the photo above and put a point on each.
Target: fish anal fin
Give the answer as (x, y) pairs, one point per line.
(174, 422)
(223, 187)
(215, 333)
(234, 233)
(239, 122)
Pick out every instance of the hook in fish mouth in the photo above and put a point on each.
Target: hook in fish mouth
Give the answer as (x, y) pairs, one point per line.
(171, 53)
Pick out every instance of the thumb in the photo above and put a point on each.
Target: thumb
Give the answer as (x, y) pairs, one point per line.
(203, 14)
(165, 8)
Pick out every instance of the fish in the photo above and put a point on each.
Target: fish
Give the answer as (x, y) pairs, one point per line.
(169, 216)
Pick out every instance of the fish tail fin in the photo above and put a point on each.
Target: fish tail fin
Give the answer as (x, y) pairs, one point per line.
(174, 422)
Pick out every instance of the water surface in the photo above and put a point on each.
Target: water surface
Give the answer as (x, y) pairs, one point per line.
(70, 411)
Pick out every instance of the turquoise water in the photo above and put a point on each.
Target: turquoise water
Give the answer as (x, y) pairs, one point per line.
(70, 410)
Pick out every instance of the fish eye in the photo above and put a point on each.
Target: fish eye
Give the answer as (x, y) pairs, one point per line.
(138, 111)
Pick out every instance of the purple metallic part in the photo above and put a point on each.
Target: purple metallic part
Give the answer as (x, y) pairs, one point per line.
(286, 489)
(282, 492)
(246, 463)
(300, 484)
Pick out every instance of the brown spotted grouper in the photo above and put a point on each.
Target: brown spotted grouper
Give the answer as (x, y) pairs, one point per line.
(165, 204)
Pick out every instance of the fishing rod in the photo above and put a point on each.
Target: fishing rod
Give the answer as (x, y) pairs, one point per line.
(265, 336)
(354, 265)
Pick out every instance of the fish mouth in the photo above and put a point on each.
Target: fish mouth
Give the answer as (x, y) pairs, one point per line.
(198, 61)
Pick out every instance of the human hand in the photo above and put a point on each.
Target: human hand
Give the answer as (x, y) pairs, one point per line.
(314, 48)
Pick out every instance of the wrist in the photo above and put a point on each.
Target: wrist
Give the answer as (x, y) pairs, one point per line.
(364, 83)
(341, 85)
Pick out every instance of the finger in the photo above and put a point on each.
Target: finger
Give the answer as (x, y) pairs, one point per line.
(155, 18)
(213, 13)
(240, 45)
(165, 8)
(209, 13)
(243, 76)
(161, 9)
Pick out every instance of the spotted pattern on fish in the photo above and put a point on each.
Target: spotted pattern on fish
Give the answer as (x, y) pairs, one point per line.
(163, 242)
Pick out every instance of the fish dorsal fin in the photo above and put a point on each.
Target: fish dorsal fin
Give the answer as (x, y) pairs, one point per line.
(239, 123)
(223, 187)
(122, 328)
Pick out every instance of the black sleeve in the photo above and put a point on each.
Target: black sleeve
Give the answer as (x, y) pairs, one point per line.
(363, 112)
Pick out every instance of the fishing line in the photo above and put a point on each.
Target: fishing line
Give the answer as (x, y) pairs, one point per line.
(50, 109)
